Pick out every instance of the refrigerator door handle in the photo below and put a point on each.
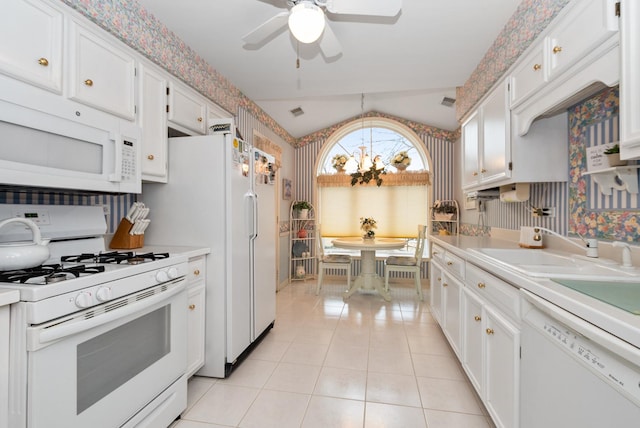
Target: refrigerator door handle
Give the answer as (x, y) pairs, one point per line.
(251, 214)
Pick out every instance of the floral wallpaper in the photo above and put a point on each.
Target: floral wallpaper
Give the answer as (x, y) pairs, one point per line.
(618, 225)
(530, 18)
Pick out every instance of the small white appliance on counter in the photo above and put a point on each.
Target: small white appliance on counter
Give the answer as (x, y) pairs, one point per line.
(98, 338)
(221, 195)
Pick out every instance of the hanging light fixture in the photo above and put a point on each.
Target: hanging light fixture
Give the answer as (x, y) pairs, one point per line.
(306, 21)
(365, 169)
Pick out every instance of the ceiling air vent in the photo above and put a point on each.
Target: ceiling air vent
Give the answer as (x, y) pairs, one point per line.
(446, 101)
(297, 111)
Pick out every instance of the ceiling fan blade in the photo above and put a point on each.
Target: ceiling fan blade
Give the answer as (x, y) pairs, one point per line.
(365, 7)
(265, 30)
(329, 44)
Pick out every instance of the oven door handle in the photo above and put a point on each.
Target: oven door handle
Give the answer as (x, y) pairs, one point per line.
(39, 337)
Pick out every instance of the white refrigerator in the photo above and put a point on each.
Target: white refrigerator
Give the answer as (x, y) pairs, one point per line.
(221, 194)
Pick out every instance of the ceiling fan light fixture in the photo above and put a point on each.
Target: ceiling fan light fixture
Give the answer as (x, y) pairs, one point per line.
(306, 22)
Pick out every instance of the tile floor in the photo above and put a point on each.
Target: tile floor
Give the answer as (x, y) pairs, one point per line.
(327, 363)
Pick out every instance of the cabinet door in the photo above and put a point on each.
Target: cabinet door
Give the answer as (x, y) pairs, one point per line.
(436, 291)
(586, 26)
(31, 50)
(502, 368)
(495, 140)
(527, 77)
(195, 323)
(452, 289)
(470, 151)
(472, 338)
(101, 75)
(152, 115)
(186, 109)
(630, 79)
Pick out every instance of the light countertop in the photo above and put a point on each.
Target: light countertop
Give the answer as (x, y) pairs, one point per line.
(610, 318)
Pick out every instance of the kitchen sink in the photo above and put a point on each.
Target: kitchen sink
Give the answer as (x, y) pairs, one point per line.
(549, 264)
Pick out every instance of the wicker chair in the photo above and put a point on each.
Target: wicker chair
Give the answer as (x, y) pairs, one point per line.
(331, 261)
(408, 264)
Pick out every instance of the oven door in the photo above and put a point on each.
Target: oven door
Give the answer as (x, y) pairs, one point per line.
(101, 366)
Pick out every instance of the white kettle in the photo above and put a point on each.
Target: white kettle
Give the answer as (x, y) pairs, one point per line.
(23, 255)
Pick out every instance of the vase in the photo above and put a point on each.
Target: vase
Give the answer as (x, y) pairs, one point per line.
(303, 214)
(339, 169)
(614, 160)
(400, 166)
(302, 233)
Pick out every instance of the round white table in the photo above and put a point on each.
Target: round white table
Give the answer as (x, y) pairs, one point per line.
(368, 279)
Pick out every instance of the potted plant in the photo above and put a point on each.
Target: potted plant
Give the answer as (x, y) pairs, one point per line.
(613, 156)
(338, 162)
(444, 211)
(302, 207)
(401, 160)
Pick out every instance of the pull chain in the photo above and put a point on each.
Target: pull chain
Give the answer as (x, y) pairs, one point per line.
(297, 54)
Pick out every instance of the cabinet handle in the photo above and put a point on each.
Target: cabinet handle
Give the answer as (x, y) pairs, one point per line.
(444, 284)
(192, 307)
(150, 157)
(199, 119)
(449, 263)
(477, 318)
(88, 82)
(481, 285)
(536, 67)
(489, 331)
(196, 272)
(43, 62)
(557, 49)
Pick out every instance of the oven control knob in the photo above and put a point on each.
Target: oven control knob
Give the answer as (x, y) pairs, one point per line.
(172, 272)
(103, 294)
(84, 300)
(161, 276)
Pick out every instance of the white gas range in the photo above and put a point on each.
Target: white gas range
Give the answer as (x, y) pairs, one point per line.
(103, 332)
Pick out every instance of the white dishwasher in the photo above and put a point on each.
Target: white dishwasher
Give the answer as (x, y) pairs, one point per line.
(574, 374)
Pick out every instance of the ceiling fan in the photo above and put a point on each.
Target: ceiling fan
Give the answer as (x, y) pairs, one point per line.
(307, 21)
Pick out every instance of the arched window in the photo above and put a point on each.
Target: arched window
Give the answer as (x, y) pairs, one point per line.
(399, 205)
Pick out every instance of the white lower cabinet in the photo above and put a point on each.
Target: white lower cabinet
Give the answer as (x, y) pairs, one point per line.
(196, 316)
(479, 315)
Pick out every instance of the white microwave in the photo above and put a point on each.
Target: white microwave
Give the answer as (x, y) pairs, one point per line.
(43, 150)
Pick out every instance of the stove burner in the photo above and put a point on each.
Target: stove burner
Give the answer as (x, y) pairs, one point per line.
(115, 257)
(55, 277)
(45, 271)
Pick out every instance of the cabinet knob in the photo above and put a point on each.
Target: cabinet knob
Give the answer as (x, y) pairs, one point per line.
(449, 263)
(477, 318)
(439, 278)
(481, 285)
(483, 170)
(489, 331)
(192, 307)
(557, 49)
(536, 67)
(475, 173)
(88, 82)
(199, 119)
(444, 284)
(436, 252)
(43, 62)
(150, 157)
(196, 272)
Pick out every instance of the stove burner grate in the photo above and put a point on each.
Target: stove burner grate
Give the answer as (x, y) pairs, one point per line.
(115, 257)
(47, 271)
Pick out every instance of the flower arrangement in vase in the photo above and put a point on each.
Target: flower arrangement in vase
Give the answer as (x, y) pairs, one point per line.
(367, 224)
(338, 162)
(401, 160)
(613, 156)
(443, 211)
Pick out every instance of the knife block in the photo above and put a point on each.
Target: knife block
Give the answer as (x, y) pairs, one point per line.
(122, 240)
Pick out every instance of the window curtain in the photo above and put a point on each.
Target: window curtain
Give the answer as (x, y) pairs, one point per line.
(398, 210)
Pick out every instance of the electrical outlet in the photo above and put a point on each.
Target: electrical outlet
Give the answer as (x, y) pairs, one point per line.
(106, 210)
(544, 212)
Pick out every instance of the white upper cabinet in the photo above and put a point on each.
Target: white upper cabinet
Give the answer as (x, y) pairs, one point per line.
(100, 74)
(528, 76)
(587, 25)
(31, 48)
(630, 79)
(187, 109)
(152, 118)
(471, 150)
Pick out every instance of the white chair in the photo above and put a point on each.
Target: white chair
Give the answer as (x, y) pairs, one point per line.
(408, 264)
(331, 261)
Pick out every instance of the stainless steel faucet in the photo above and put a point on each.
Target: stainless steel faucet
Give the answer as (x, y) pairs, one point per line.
(591, 245)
